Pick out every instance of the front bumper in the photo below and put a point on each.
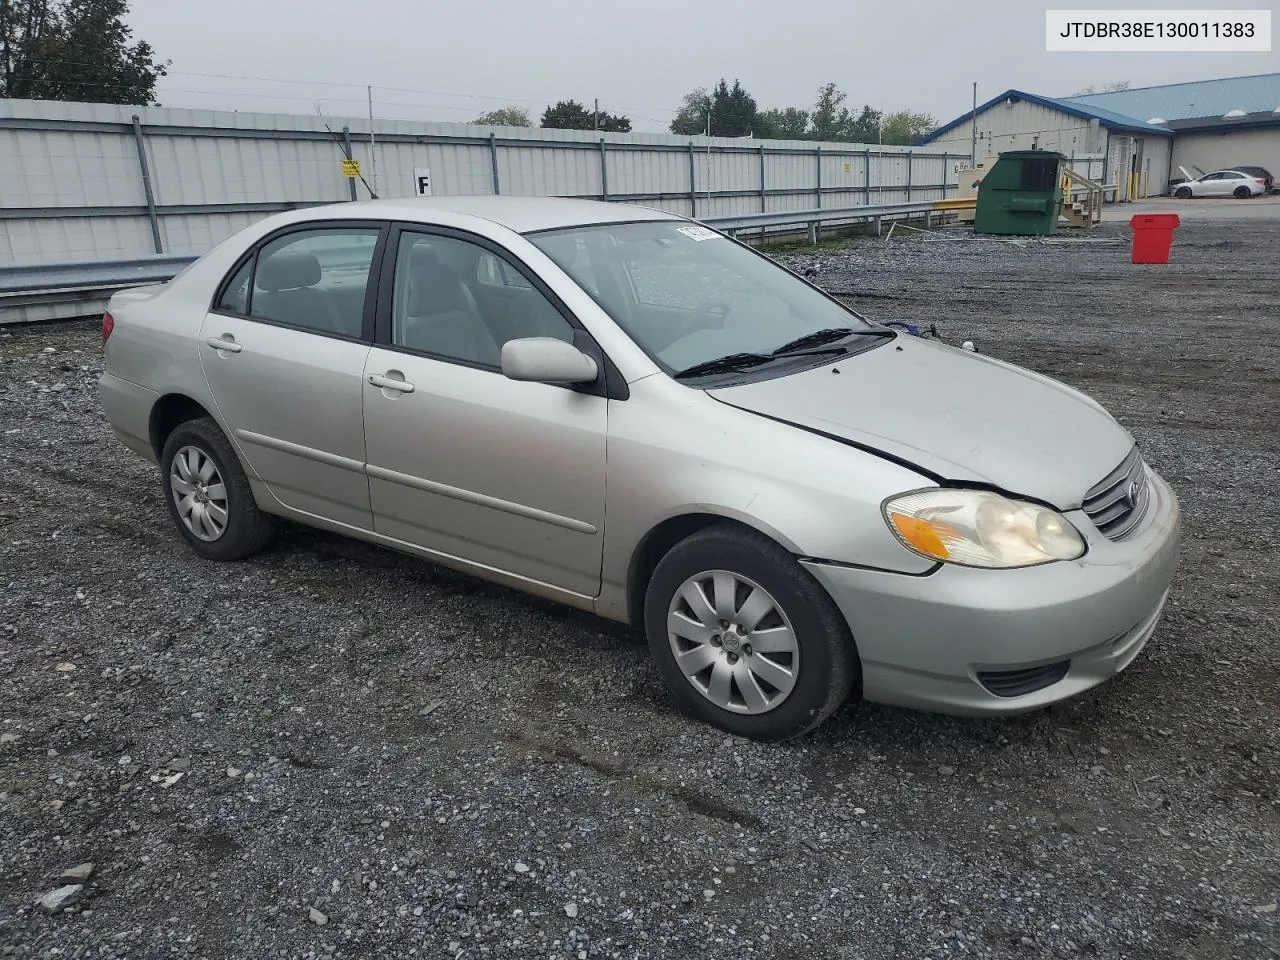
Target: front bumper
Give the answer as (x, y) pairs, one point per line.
(925, 641)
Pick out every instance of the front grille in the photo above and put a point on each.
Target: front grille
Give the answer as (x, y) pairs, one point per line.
(1015, 683)
(1117, 504)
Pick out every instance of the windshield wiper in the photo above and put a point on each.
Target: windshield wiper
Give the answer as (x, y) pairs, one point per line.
(726, 364)
(829, 335)
(799, 347)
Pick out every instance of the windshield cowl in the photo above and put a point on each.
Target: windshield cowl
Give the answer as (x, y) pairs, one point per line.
(750, 367)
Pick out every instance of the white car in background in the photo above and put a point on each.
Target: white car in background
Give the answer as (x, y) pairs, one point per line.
(1221, 183)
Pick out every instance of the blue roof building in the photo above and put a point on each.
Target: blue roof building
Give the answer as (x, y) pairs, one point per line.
(1201, 99)
(1135, 139)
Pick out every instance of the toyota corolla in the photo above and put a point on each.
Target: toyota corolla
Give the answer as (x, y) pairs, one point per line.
(625, 411)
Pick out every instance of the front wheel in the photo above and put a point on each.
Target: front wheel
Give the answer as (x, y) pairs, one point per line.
(1182, 193)
(745, 638)
(208, 494)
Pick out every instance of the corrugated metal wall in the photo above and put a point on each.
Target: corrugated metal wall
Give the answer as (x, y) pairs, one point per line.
(1024, 125)
(1216, 150)
(71, 184)
(1155, 161)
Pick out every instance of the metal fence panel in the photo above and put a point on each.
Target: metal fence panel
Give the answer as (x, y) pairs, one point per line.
(72, 238)
(535, 171)
(647, 172)
(197, 233)
(75, 185)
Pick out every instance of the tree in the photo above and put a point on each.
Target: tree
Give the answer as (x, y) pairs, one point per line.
(785, 123)
(691, 118)
(571, 115)
(1114, 86)
(505, 117)
(905, 128)
(830, 118)
(865, 128)
(733, 111)
(74, 50)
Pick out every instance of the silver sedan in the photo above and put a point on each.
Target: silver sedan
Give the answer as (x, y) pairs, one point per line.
(622, 410)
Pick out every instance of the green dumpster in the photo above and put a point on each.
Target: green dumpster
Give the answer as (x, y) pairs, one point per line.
(1021, 195)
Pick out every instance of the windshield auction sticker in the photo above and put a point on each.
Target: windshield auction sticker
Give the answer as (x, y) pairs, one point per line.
(1145, 31)
(697, 233)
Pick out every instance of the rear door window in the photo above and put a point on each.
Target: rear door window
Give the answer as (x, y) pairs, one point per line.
(315, 279)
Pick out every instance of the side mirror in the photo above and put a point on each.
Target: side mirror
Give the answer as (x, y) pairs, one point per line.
(546, 360)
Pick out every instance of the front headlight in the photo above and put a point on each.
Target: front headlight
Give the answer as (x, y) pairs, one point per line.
(977, 528)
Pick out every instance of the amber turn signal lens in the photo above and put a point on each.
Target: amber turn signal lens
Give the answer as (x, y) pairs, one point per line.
(920, 535)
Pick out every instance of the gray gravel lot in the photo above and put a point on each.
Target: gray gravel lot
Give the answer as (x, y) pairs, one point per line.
(333, 750)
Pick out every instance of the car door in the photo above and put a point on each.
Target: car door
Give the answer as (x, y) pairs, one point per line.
(1233, 181)
(462, 461)
(1212, 185)
(284, 350)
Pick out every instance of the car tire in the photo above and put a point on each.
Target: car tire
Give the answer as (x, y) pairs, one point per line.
(1242, 193)
(754, 702)
(209, 496)
(1182, 193)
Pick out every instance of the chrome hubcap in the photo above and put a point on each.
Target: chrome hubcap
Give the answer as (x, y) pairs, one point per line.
(733, 642)
(199, 493)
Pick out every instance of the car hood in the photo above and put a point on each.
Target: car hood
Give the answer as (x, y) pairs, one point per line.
(956, 415)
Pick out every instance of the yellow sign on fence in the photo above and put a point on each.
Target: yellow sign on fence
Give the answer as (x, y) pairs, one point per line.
(351, 168)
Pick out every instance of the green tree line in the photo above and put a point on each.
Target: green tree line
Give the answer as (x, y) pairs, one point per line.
(730, 111)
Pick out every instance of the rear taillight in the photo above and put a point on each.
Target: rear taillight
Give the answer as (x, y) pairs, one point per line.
(108, 324)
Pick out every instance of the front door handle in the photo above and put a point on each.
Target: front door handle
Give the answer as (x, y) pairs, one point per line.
(390, 383)
(225, 342)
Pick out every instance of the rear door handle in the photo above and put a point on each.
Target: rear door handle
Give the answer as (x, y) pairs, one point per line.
(389, 383)
(224, 343)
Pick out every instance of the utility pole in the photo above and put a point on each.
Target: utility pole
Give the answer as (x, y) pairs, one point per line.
(708, 156)
(597, 114)
(973, 136)
(373, 153)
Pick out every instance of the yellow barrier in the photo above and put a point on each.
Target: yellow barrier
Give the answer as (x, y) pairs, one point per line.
(957, 203)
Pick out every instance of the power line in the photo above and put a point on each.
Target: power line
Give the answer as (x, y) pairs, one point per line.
(163, 90)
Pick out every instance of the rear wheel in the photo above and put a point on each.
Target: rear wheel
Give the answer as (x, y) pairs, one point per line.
(1242, 193)
(208, 494)
(1182, 193)
(745, 638)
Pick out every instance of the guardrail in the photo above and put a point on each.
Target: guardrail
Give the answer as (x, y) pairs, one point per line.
(84, 285)
(813, 220)
(76, 288)
(81, 274)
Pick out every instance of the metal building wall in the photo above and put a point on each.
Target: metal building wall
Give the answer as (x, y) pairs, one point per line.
(1024, 125)
(1156, 153)
(72, 182)
(1216, 150)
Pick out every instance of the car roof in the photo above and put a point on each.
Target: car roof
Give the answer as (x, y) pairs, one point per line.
(521, 214)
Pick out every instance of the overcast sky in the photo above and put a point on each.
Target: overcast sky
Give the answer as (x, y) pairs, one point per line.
(436, 60)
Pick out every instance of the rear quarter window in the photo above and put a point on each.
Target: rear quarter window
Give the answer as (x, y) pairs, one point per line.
(235, 295)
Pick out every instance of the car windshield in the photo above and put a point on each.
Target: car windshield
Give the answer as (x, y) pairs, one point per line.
(690, 296)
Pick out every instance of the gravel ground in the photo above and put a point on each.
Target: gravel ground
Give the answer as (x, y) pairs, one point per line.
(333, 750)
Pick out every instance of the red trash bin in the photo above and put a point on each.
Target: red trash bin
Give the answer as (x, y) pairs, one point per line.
(1153, 236)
